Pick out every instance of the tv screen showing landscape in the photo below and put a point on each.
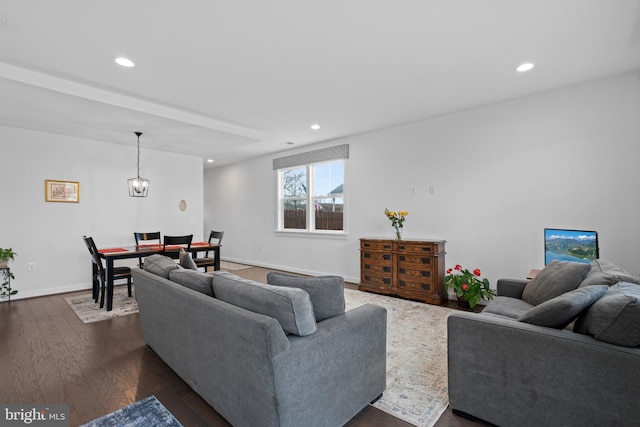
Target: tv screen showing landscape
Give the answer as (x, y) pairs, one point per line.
(570, 245)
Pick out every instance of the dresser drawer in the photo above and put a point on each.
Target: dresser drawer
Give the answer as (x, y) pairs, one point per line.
(414, 259)
(381, 257)
(411, 285)
(379, 269)
(375, 245)
(376, 279)
(412, 247)
(422, 275)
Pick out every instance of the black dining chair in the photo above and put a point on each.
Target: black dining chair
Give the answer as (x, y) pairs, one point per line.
(147, 239)
(100, 278)
(206, 261)
(184, 241)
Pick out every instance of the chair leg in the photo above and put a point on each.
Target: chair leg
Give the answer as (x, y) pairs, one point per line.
(129, 285)
(103, 291)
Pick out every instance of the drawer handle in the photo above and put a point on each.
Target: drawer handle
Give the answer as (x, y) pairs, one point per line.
(426, 287)
(386, 269)
(427, 249)
(386, 257)
(386, 281)
(367, 255)
(401, 247)
(426, 274)
(402, 271)
(402, 283)
(425, 260)
(366, 245)
(402, 258)
(367, 267)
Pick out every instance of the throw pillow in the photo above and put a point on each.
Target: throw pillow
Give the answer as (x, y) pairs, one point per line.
(605, 272)
(326, 292)
(555, 279)
(558, 312)
(186, 260)
(291, 307)
(159, 265)
(614, 318)
(195, 280)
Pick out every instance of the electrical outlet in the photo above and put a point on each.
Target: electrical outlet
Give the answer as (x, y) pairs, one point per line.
(31, 266)
(432, 189)
(413, 191)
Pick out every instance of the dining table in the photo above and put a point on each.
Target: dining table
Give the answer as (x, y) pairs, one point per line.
(110, 255)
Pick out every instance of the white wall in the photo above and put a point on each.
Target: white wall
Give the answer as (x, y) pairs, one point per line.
(565, 159)
(50, 234)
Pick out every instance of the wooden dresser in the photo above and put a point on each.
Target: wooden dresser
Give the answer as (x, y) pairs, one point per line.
(413, 269)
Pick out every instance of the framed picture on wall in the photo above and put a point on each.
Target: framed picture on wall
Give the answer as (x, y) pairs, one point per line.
(62, 191)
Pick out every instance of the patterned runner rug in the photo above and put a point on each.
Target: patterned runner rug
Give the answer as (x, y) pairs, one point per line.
(417, 389)
(143, 413)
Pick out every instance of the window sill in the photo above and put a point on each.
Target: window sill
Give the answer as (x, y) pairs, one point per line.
(338, 235)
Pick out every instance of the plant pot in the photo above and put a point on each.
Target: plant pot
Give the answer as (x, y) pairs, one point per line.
(462, 303)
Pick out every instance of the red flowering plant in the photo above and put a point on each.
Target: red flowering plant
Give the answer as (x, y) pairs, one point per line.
(468, 285)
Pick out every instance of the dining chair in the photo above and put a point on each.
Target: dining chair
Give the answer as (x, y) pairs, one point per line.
(184, 241)
(147, 239)
(99, 280)
(206, 261)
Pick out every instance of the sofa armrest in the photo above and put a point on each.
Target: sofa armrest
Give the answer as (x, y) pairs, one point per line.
(511, 287)
(343, 361)
(512, 373)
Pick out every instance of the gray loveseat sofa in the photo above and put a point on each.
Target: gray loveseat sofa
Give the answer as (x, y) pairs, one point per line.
(518, 364)
(306, 362)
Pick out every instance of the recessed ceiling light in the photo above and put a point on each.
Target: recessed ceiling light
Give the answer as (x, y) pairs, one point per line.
(209, 160)
(524, 67)
(315, 126)
(125, 62)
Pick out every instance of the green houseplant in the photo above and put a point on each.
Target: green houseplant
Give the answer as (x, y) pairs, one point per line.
(468, 286)
(6, 255)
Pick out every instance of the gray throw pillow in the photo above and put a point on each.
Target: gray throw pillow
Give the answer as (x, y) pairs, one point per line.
(326, 292)
(291, 307)
(196, 280)
(558, 312)
(555, 279)
(605, 272)
(186, 260)
(159, 265)
(614, 318)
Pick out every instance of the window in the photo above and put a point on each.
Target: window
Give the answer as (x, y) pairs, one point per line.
(311, 197)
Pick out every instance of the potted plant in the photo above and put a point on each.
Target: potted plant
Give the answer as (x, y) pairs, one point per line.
(468, 286)
(6, 255)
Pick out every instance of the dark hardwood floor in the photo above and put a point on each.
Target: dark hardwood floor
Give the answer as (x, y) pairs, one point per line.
(48, 356)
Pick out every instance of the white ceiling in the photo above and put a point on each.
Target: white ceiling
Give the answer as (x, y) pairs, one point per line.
(237, 79)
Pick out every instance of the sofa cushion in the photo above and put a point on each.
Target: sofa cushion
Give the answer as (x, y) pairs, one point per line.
(196, 280)
(614, 318)
(605, 272)
(555, 279)
(159, 265)
(558, 312)
(290, 306)
(508, 307)
(326, 292)
(186, 260)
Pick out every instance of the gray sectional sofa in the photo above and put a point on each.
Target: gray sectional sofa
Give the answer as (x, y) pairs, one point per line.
(560, 350)
(264, 355)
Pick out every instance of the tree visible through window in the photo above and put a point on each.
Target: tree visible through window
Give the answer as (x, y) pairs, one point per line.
(319, 185)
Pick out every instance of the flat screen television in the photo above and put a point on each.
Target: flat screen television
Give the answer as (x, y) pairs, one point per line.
(570, 245)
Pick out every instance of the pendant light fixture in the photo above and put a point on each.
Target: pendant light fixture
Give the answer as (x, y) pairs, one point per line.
(138, 187)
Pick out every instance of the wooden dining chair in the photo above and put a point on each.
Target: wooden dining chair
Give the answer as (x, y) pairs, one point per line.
(147, 239)
(184, 241)
(99, 280)
(206, 261)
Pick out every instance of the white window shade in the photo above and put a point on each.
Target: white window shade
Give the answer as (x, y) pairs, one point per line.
(310, 157)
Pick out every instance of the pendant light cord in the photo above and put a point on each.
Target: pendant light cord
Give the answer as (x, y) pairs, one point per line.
(138, 133)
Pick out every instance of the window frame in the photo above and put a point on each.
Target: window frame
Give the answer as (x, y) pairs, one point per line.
(310, 200)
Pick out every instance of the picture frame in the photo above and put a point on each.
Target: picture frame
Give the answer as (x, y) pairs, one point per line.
(62, 191)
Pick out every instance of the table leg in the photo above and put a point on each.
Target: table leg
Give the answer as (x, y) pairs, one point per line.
(216, 265)
(109, 284)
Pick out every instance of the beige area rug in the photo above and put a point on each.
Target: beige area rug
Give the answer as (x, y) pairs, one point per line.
(89, 311)
(416, 350)
(417, 390)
